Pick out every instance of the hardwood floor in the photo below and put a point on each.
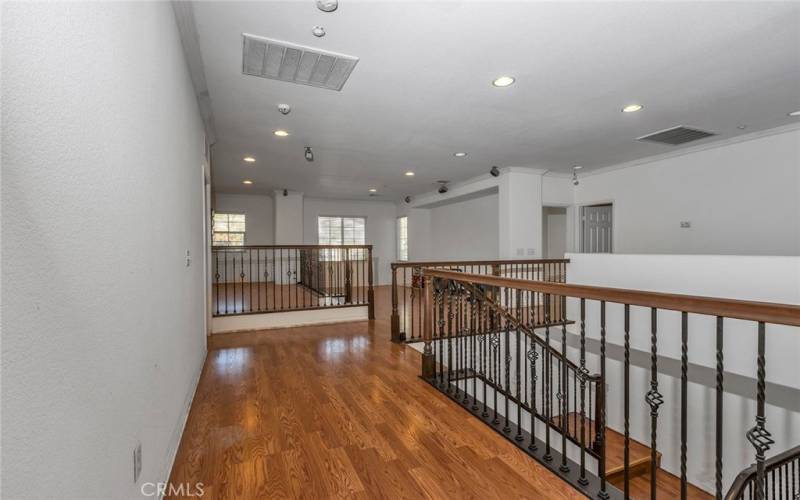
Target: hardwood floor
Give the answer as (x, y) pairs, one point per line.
(338, 411)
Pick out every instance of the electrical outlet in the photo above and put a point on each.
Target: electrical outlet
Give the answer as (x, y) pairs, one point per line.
(188, 258)
(137, 462)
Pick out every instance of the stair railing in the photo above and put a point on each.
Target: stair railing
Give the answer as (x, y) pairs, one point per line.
(484, 360)
(781, 474)
(407, 312)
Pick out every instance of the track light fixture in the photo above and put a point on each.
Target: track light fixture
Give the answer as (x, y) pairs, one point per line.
(442, 187)
(575, 169)
(407, 199)
(494, 171)
(286, 192)
(309, 154)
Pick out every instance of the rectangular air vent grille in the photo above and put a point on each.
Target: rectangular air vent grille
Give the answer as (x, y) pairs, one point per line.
(294, 63)
(676, 135)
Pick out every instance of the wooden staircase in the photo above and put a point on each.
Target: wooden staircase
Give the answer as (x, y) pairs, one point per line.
(667, 485)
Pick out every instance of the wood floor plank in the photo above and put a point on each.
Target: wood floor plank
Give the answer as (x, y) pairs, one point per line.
(338, 411)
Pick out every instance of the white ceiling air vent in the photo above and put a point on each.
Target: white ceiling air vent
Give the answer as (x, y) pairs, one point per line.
(676, 135)
(294, 63)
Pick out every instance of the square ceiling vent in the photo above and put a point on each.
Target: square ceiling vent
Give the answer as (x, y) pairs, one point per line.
(288, 62)
(676, 135)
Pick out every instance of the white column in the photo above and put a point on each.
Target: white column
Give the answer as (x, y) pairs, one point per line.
(520, 213)
(288, 218)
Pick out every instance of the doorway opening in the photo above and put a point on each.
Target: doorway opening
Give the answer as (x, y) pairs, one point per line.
(554, 232)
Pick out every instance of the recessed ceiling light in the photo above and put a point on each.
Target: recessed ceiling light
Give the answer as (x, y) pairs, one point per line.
(459, 155)
(795, 113)
(281, 133)
(576, 167)
(249, 159)
(373, 190)
(248, 182)
(503, 81)
(632, 108)
(409, 174)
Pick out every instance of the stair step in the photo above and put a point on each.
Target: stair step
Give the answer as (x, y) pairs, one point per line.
(615, 450)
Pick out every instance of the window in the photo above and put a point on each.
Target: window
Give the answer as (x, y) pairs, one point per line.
(228, 229)
(402, 238)
(342, 231)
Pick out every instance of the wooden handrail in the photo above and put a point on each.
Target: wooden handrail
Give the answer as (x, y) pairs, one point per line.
(743, 478)
(768, 312)
(474, 262)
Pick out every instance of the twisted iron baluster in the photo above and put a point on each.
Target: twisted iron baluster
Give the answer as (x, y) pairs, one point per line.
(759, 436)
(582, 373)
(653, 398)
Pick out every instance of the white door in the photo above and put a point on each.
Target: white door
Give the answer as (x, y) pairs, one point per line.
(597, 229)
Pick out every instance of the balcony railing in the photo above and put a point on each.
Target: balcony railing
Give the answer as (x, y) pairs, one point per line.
(407, 289)
(521, 383)
(273, 278)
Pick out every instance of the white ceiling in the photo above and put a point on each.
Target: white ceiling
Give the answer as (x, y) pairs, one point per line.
(422, 89)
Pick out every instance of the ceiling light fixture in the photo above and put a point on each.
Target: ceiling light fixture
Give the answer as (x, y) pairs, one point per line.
(249, 159)
(247, 181)
(281, 133)
(632, 108)
(318, 31)
(309, 154)
(459, 155)
(373, 190)
(442, 187)
(327, 5)
(794, 113)
(409, 174)
(285, 109)
(503, 81)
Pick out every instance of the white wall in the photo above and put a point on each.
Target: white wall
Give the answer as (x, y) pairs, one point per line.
(465, 230)
(381, 228)
(103, 335)
(760, 278)
(741, 198)
(260, 213)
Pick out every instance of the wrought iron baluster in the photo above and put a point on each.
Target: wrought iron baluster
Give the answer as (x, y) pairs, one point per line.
(518, 356)
(507, 365)
(601, 397)
(532, 355)
(684, 399)
(718, 427)
(582, 375)
(654, 398)
(547, 361)
(759, 436)
(563, 397)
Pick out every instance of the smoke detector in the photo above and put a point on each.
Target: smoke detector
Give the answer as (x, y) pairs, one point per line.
(285, 109)
(318, 31)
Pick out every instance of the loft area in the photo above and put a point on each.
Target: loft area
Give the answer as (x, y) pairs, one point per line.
(328, 248)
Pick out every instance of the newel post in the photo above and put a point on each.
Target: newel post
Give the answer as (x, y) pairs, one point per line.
(370, 291)
(428, 359)
(395, 315)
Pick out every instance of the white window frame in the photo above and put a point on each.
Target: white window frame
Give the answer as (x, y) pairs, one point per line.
(402, 240)
(214, 230)
(333, 255)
